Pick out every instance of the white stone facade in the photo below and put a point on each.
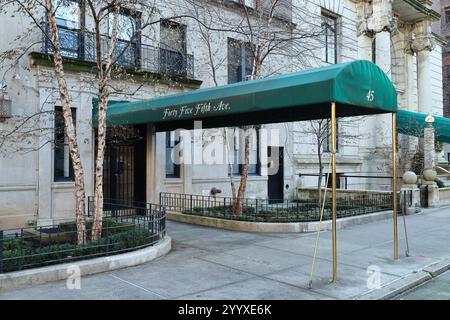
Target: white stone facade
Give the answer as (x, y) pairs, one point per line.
(28, 192)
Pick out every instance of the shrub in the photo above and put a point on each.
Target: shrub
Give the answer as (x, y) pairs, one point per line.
(439, 183)
(11, 244)
(19, 254)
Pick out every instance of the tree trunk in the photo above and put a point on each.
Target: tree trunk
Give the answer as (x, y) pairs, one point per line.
(103, 77)
(80, 193)
(98, 188)
(237, 209)
(230, 165)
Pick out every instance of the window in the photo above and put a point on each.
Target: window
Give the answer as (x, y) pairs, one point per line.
(68, 13)
(238, 153)
(448, 71)
(128, 41)
(329, 26)
(447, 45)
(173, 36)
(63, 170)
(327, 144)
(240, 60)
(172, 54)
(374, 50)
(172, 168)
(329, 177)
(447, 15)
(126, 28)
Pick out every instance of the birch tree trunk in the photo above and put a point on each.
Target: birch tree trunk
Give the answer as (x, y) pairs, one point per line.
(98, 188)
(244, 175)
(104, 76)
(80, 193)
(230, 165)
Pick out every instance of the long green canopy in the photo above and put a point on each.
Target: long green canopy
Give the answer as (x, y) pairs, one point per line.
(358, 88)
(412, 124)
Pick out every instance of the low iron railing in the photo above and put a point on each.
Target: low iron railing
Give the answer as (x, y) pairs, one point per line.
(125, 228)
(81, 45)
(265, 210)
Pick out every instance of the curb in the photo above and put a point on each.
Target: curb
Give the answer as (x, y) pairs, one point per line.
(31, 277)
(275, 227)
(410, 281)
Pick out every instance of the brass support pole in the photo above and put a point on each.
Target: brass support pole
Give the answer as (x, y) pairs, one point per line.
(394, 181)
(333, 186)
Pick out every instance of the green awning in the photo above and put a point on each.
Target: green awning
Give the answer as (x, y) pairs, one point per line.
(412, 124)
(358, 88)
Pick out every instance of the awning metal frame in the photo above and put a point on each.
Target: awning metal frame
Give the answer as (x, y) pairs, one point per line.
(349, 89)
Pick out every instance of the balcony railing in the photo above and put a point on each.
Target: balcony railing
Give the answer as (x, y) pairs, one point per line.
(81, 45)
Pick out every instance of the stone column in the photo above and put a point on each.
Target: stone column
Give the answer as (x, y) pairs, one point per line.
(151, 181)
(422, 43)
(383, 51)
(364, 47)
(383, 60)
(429, 161)
(429, 172)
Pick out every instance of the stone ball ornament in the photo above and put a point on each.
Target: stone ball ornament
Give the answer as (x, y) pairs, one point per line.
(409, 177)
(429, 175)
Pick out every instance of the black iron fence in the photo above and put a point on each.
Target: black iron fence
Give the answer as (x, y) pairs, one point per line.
(263, 210)
(125, 228)
(81, 45)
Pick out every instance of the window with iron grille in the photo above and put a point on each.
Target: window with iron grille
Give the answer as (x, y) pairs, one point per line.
(69, 16)
(172, 55)
(329, 37)
(128, 49)
(240, 60)
(172, 167)
(63, 170)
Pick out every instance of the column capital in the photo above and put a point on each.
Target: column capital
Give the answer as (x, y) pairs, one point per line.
(421, 38)
(375, 17)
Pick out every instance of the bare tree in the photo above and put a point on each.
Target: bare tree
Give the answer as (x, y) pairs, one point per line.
(36, 10)
(266, 31)
(320, 131)
(105, 15)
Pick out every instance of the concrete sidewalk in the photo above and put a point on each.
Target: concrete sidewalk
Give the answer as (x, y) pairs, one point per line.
(208, 263)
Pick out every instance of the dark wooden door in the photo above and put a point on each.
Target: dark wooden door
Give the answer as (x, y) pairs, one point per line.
(276, 177)
(125, 166)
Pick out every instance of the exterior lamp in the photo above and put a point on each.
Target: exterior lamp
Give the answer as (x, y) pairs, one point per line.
(429, 119)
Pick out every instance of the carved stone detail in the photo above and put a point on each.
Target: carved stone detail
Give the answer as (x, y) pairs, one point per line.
(421, 37)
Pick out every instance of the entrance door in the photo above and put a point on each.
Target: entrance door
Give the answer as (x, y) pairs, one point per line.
(276, 177)
(125, 165)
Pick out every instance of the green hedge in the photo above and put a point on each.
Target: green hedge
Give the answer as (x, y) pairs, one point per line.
(19, 254)
(301, 212)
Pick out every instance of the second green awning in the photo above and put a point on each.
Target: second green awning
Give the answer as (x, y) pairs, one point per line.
(412, 124)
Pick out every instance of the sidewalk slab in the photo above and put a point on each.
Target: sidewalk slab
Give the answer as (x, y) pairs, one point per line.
(35, 276)
(436, 269)
(211, 263)
(397, 287)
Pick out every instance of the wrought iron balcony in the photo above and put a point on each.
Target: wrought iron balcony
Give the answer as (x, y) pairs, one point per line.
(81, 45)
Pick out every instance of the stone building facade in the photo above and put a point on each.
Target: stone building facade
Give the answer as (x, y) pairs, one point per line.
(36, 186)
(443, 28)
